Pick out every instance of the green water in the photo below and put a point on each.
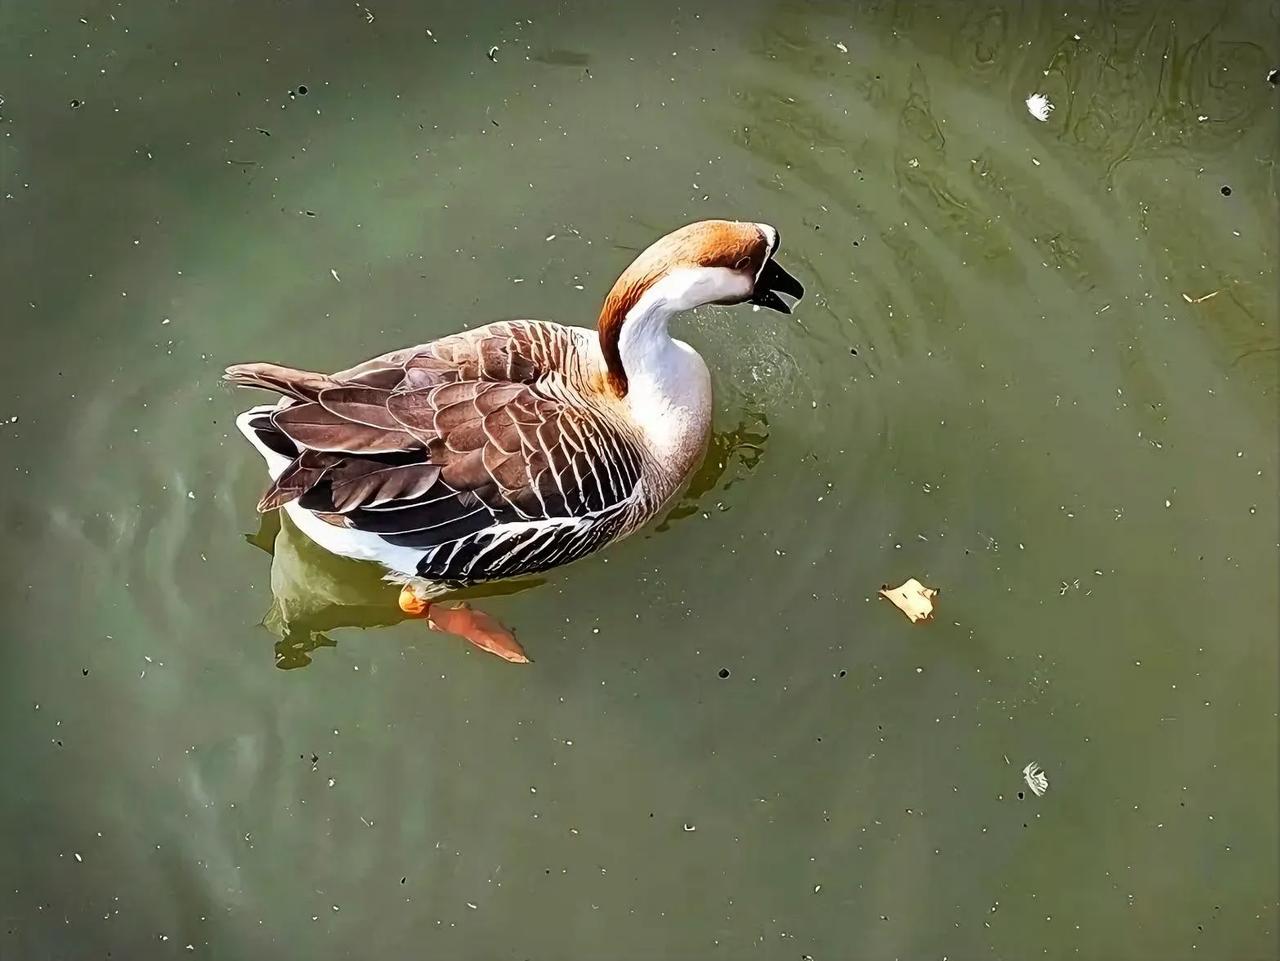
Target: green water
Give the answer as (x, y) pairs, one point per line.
(219, 743)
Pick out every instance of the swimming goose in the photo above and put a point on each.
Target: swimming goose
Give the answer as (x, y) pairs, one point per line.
(516, 447)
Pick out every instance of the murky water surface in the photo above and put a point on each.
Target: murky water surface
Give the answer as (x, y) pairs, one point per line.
(1037, 368)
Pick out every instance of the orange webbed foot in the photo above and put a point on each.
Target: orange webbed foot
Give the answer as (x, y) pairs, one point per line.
(477, 627)
(482, 630)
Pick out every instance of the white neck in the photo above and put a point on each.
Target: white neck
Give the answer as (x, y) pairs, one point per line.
(668, 386)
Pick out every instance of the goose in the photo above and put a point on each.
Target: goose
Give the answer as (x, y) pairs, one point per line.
(512, 448)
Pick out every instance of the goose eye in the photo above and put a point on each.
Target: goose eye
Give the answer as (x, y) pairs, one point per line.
(742, 262)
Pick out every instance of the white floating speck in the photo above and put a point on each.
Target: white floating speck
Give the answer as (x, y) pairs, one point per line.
(690, 827)
(1035, 779)
(335, 275)
(551, 237)
(469, 904)
(841, 47)
(78, 858)
(191, 495)
(1039, 106)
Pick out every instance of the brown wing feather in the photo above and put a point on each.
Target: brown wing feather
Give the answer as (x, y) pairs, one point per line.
(306, 470)
(362, 483)
(317, 428)
(433, 445)
(299, 384)
(364, 405)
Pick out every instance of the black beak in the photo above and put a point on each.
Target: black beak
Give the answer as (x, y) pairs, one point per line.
(774, 280)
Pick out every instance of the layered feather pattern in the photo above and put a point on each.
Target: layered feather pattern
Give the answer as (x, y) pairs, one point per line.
(485, 450)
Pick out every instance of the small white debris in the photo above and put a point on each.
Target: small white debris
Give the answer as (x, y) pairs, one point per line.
(1035, 779)
(550, 237)
(191, 495)
(1200, 300)
(78, 858)
(841, 47)
(1039, 106)
(690, 827)
(335, 275)
(332, 782)
(913, 162)
(472, 906)
(1168, 503)
(912, 598)
(493, 54)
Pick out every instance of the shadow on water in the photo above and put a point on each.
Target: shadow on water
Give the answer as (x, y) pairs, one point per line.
(315, 592)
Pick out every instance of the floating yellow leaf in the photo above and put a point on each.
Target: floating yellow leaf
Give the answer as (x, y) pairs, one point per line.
(912, 598)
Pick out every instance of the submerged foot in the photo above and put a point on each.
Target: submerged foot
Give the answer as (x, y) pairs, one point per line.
(482, 630)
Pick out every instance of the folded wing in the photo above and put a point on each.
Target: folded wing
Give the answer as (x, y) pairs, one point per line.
(462, 448)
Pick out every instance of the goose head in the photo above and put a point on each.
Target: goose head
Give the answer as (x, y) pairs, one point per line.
(707, 262)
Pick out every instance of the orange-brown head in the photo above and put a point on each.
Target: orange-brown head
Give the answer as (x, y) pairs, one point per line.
(708, 262)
